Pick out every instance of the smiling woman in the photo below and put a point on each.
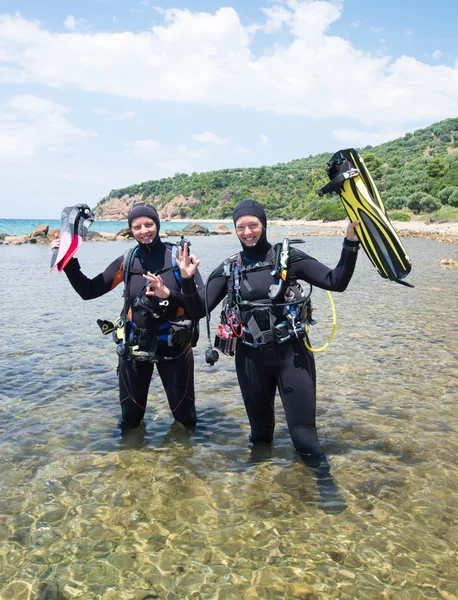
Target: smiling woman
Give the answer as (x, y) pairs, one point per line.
(263, 319)
(249, 230)
(150, 331)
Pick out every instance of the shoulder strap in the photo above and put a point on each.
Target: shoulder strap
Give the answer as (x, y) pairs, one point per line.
(176, 270)
(128, 260)
(129, 256)
(228, 264)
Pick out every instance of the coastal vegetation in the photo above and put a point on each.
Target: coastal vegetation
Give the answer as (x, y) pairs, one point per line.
(416, 173)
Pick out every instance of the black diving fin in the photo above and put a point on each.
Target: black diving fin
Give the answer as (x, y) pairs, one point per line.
(74, 225)
(67, 223)
(350, 178)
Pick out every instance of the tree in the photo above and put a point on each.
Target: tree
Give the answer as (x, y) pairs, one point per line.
(445, 194)
(395, 201)
(414, 202)
(436, 167)
(429, 204)
(374, 164)
(395, 162)
(453, 198)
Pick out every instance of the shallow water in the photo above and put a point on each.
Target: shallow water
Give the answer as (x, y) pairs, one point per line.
(159, 513)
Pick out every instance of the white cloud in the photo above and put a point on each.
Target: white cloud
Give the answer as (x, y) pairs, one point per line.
(104, 112)
(150, 150)
(171, 166)
(188, 153)
(124, 116)
(207, 59)
(409, 32)
(29, 124)
(277, 17)
(145, 148)
(242, 150)
(349, 137)
(74, 24)
(209, 138)
(377, 29)
(264, 140)
(437, 54)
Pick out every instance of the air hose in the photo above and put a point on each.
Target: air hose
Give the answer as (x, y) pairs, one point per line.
(334, 326)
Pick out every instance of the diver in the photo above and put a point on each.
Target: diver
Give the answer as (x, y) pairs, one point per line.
(150, 331)
(264, 318)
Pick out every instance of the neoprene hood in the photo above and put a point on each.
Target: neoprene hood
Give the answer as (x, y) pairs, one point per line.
(143, 209)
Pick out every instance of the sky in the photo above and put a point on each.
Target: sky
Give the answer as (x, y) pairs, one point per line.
(97, 95)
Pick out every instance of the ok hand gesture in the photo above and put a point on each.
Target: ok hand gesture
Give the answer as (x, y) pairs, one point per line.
(187, 263)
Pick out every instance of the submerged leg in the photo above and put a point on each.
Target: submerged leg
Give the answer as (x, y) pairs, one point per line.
(134, 381)
(258, 391)
(296, 384)
(177, 377)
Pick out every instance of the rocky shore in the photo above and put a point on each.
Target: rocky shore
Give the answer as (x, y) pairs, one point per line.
(43, 235)
(441, 232)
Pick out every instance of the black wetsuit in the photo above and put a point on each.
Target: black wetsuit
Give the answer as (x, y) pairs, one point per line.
(288, 367)
(177, 375)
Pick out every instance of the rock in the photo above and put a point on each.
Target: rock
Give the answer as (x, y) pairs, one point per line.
(109, 237)
(173, 232)
(226, 197)
(304, 591)
(95, 236)
(41, 231)
(195, 229)
(14, 240)
(220, 230)
(39, 234)
(124, 234)
(53, 234)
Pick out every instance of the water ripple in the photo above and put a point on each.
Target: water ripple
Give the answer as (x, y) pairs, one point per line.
(159, 513)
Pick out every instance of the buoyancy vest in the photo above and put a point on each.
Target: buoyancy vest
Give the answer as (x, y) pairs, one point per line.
(177, 331)
(276, 319)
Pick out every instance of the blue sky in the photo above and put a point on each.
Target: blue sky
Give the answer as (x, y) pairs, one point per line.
(102, 94)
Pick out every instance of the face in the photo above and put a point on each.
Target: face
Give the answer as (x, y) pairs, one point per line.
(144, 229)
(248, 230)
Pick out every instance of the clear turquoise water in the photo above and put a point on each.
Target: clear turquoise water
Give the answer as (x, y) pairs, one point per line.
(25, 226)
(88, 514)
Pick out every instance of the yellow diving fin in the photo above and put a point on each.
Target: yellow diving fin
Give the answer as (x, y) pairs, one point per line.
(350, 178)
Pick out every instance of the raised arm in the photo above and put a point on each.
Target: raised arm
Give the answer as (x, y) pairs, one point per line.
(308, 269)
(101, 284)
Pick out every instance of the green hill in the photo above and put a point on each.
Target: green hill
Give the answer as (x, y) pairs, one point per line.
(418, 171)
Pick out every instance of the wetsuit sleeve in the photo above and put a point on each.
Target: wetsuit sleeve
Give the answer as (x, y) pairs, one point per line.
(195, 294)
(182, 297)
(308, 269)
(100, 284)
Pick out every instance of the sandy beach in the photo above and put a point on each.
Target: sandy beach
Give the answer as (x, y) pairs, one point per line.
(444, 232)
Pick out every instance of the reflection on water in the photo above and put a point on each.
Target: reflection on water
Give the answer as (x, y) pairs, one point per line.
(161, 513)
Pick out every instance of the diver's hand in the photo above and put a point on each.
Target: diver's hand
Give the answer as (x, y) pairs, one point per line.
(55, 243)
(351, 233)
(187, 263)
(156, 287)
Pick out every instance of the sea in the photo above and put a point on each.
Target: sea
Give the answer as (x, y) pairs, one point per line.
(87, 512)
(25, 226)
